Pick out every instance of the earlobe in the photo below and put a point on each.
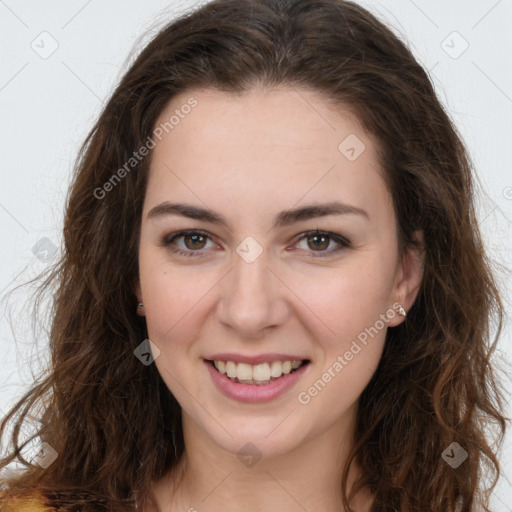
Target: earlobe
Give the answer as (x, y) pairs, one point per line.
(401, 310)
(138, 293)
(409, 280)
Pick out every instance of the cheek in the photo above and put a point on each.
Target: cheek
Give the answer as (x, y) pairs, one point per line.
(171, 296)
(171, 310)
(350, 349)
(350, 298)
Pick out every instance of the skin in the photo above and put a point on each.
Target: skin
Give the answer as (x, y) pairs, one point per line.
(248, 157)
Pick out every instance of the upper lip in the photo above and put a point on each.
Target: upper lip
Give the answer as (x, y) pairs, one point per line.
(256, 359)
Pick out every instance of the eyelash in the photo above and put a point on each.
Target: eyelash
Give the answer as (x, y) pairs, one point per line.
(343, 242)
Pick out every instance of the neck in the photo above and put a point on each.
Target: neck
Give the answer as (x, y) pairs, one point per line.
(305, 478)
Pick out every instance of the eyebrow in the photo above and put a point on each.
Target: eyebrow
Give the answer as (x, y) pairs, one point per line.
(284, 218)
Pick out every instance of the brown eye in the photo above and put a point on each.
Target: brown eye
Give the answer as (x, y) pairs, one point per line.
(318, 242)
(188, 243)
(194, 241)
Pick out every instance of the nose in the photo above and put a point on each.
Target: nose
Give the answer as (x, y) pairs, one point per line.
(252, 299)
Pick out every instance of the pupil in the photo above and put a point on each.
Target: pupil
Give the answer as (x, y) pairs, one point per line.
(320, 241)
(195, 239)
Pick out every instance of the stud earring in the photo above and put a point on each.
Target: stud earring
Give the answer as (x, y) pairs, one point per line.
(401, 311)
(139, 305)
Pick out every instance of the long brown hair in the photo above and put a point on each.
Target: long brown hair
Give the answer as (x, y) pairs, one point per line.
(113, 422)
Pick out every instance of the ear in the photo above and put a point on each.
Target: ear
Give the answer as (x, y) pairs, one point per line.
(137, 290)
(138, 293)
(408, 279)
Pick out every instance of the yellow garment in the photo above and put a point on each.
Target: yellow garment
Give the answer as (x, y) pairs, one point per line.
(34, 503)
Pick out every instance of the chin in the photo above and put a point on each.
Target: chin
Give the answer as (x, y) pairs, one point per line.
(261, 437)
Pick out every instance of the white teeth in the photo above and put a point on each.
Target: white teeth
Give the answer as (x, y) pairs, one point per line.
(276, 369)
(244, 371)
(259, 373)
(231, 369)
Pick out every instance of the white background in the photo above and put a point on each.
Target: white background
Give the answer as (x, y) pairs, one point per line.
(48, 105)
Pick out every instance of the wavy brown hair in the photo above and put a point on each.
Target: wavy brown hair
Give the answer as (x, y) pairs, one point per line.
(114, 423)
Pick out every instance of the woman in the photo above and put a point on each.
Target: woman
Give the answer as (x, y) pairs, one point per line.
(273, 280)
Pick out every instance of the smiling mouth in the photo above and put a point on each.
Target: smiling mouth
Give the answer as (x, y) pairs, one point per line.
(259, 374)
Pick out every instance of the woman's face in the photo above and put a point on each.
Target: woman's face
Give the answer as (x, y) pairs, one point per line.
(251, 178)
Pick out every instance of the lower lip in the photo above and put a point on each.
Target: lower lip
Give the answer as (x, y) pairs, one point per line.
(255, 393)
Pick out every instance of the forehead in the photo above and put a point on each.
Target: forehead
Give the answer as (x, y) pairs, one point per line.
(262, 146)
